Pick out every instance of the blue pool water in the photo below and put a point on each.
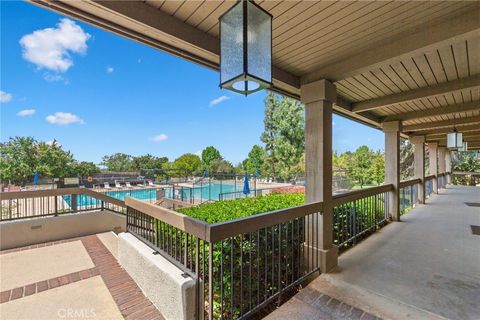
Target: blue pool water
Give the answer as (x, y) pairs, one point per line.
(201, 192)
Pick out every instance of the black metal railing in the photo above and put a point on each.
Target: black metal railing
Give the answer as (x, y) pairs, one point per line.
(408, 195)
(429, 185)
(240, 265)
(40, 203)
(358, 214)
(245, 264)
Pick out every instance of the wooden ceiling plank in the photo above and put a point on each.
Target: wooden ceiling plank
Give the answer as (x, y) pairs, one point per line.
(440, 89)
(211, 20)
(328, 54)
(332, 26)
(300, 8)
(171, 6)
(426, 38)
(399, 69)
(435, 67)
(352, 91)
(414, 71)
(452, 109)
(474, 55)
(461, 58)
(448, 62)
(185, 11)
(345, 41)
(155, 3)
(361, 87)
(382, 89)
(395, 78)
(294, 27)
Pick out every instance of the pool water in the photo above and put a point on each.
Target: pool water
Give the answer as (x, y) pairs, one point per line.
(200, 192)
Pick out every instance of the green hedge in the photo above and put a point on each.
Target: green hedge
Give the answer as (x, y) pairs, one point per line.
(240, 208)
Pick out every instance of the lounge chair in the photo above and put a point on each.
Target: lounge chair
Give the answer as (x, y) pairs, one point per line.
(107, 185)
(118, 185)
(128, 185)
(150, 183)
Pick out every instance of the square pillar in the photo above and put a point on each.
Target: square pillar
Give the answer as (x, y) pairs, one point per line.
(392, 131)
(419, 164)
(318, 98)
(441, 164)
(448, 166)
(432, 150)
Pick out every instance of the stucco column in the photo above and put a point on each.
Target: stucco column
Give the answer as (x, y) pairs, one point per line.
(419, 164)
(432, 155)
(318, 98)
(392, 131)
(448, 166)
(441, 164)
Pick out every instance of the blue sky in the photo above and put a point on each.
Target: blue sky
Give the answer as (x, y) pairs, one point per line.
(98, 93)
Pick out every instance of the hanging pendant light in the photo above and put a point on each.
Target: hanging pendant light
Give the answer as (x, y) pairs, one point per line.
(245, 48)
(464, 147)
(454, 139)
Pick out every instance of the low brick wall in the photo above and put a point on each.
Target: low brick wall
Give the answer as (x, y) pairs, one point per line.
(19, 233)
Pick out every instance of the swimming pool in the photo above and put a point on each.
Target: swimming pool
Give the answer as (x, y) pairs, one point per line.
(203, 192)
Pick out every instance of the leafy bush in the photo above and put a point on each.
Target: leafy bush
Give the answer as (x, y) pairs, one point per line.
(233, 209)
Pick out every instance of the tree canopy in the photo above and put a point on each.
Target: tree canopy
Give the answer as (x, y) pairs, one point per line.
(187, 164)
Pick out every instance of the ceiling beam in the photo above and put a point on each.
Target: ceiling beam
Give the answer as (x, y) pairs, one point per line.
(437, 111)
(430, 91)
(443, 123)
(424, 38)
(467, 128)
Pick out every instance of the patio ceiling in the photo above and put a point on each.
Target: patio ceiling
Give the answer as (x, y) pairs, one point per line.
(418, 62)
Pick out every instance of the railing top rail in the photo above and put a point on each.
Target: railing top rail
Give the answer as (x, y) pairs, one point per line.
(180, 221)
(39, 193)
(60, 192)
(430, 177)
(343, 198)
(222, 230)
(466, 173)
(411, 182)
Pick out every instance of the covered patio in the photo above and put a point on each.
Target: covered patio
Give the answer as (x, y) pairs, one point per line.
(410, 69)
(426, 267)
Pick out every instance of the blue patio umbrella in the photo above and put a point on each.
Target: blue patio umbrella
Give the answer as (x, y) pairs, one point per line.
(35, 178)
(246, 187)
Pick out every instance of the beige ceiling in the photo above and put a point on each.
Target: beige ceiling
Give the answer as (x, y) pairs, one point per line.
(414, 61)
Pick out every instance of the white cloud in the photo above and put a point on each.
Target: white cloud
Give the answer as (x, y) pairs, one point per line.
(52, 77)
(218, 100)
(5, 97)
(198, 153)
(63, 118)
(26, 112)
(109, 69)
(50, 48)
(160, 137)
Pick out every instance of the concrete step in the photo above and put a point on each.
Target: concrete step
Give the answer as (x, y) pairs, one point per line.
(369, 301)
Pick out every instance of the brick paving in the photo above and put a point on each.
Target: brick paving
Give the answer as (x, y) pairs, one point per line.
(40, 286)
(127, 295)
(125, 292)
(331, 308)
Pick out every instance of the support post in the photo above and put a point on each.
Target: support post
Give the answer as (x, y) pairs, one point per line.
(441, 165)
(392, 131)
(318, 98)
(419, 164)
(448, 166)
(432, 165)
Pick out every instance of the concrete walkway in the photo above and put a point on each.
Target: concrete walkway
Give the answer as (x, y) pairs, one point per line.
(425, 267)
(70, 279)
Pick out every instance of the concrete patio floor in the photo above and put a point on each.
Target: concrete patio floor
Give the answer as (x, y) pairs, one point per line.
(70, 279)
(425, 267)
